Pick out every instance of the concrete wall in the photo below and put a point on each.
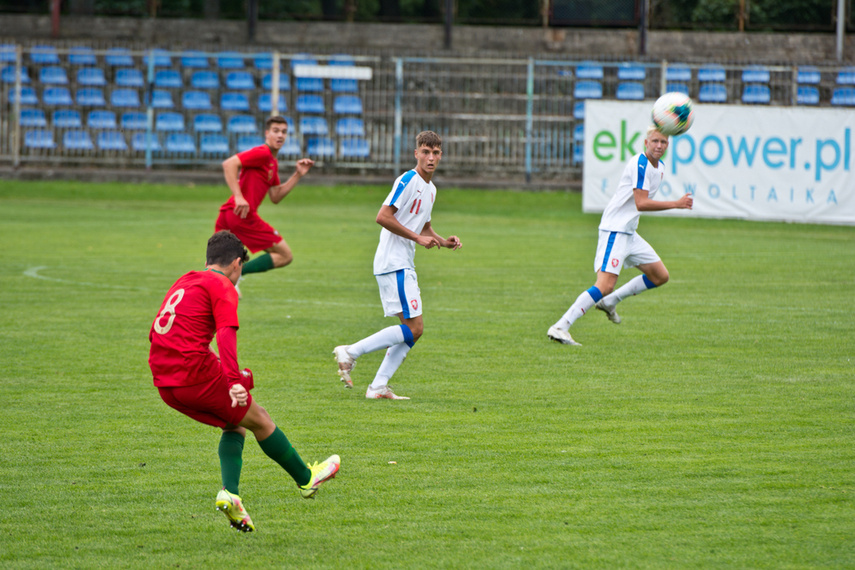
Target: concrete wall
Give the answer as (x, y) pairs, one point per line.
(410, 39)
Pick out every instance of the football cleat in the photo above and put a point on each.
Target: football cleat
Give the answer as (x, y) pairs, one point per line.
(562, 336)
(321, 472)
(231, 506)
(381, 393)
(345, 364)
(609, 311)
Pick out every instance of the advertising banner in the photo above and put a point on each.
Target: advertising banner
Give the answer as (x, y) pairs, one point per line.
(755, 163)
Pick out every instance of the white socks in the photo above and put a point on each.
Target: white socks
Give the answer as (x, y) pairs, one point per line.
(634, 286)
(394, 357)
(381, 339)
(581, 306)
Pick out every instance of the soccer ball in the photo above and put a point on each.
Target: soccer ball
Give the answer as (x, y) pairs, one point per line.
(672, 114)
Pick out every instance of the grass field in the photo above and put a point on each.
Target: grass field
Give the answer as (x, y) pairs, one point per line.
(713, 428)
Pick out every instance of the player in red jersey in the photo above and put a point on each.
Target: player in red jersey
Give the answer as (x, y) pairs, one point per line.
(213, 390)
(251, 175)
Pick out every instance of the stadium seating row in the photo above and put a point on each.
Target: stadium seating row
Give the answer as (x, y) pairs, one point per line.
(169, 121)
(172, 79)
(682, 73)
(185, 143)
(752, 93)
(711, 78)
(191, 100)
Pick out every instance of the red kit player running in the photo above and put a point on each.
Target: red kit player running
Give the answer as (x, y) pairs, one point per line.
(213, 390)
(251, 175)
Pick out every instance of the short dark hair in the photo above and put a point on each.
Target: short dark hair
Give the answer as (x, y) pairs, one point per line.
(274, 120)
(224, 247)
(429, 139)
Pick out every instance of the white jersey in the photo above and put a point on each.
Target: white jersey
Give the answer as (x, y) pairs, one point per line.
(413, 197)
(621, 214)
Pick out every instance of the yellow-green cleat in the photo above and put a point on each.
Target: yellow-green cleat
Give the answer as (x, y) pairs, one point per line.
(231, 506)
(321, 472)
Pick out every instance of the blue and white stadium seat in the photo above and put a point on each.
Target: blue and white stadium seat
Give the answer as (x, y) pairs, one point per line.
(630, 71)
(241, 124)
(630, 90)
(588, 90)
(57, 97)
(141, 142)
(112, 141)
(350, 127)
(284, 82)
(77, 140)
(214, 144)
(310, 104)
(101, 120)
(168, 79)
(180, 143)
(807, 95)
(66, 119)
(354, 148)
(312, 125)
(125, 98)
(40, 138)
(205, 80)
(206, 123)
(320, 146)
(712, 93)
(712, 73)
(91, 76)
(8, 74)
(757, 94)
(169, 122)
(44, 55)
(53, 75)
(91, 97)
(347, 105)
(234, 102)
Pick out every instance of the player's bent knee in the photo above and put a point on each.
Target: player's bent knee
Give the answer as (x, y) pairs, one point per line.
(258, 421)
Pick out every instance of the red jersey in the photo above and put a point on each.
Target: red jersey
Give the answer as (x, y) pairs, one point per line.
(196, 306)
(259, 170)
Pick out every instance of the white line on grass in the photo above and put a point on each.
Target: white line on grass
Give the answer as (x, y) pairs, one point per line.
(34, 272)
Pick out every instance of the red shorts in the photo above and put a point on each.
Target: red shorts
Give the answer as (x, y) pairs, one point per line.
(255, 233)
(209, 402)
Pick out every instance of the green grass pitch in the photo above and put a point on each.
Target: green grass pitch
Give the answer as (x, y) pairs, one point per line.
(714, 427)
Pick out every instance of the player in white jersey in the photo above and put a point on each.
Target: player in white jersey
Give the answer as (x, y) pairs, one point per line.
(405, 217)
(619, 245)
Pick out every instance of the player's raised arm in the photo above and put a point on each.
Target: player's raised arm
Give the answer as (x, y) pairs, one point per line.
(277, 193)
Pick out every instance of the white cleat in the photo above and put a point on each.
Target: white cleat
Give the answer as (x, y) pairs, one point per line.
(562, 336)
(345, 364)
(383, 393)
(609, 311)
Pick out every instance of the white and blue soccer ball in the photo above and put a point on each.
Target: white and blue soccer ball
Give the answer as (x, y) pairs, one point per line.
(673, 113)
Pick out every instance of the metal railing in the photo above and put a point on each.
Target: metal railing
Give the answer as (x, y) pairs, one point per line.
(498, 117)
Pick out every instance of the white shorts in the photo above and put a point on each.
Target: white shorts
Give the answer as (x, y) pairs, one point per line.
(615, 250)
(399, 293)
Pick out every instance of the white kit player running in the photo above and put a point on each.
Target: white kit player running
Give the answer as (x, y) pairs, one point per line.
(405, 217)
(619, 245)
